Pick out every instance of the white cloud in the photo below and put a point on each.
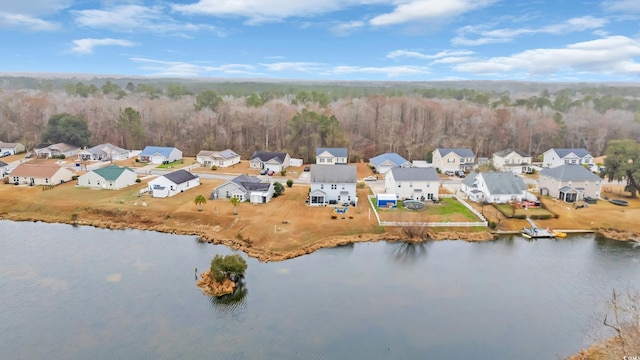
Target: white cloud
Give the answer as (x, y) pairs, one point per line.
(428, 10)
(488, 36)
(35, 7)
(262, 11)
(624, 6)
(610, 55)
(129, 18)
(25, 22)
(307, 67)
(86, 46)
(417, 55)
(346, 28)
(389, 71)
(187, 69)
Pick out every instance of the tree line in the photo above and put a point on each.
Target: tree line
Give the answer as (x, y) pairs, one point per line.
(411, 122)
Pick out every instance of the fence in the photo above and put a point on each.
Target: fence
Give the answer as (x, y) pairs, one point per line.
(433, 224)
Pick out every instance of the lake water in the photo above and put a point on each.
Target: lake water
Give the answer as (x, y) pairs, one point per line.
(85, 293)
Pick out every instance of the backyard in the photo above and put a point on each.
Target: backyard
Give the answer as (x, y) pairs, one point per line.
(447, 210)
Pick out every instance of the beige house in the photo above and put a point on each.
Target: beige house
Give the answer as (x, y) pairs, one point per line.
(40, 174)
(12, 148)
(511, 160)
(58, 150)
(569, 183)
(221, 159)
(453, 159)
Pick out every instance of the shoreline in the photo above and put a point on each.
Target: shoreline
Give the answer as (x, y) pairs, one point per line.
(266, 255)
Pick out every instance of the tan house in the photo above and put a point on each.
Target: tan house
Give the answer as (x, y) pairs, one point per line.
(40, 174)
(453, 159)
(569, 183)
(511, 160)
(57, 150)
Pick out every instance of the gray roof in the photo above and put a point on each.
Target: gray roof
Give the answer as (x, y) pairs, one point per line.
(498, 183)
(333, 174)
(265, 156)
(3, 164)
(459, 152)
(414, 174)
(570, 172)
(180, 176)
(337, 152)
(106, 149)
(225, 154)
(245, 179)
(564, 152)
(506, 152)
(256, 186)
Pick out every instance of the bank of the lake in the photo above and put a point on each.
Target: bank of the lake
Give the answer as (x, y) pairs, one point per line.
(82, 292)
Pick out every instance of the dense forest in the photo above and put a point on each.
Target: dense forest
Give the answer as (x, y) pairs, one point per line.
(369, 118)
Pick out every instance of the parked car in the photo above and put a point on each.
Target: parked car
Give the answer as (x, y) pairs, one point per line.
(449, 172)
(460, 173)
(5, 154)
(370, 178)
(263, 172)
(307, 168)
(271, 173)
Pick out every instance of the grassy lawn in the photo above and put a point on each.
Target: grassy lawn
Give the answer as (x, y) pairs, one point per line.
(449, 209)
(170, 165)
(507, 210)
(450, 206)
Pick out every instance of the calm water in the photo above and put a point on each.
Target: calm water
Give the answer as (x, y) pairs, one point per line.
(85, 293)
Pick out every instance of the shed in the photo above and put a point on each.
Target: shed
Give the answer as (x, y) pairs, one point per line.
(386, 200)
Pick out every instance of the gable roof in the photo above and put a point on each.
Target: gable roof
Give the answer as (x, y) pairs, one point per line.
(392, 157)
(180, 176)
(337, 152)
(3, 164)
(244, 179)
(333, 174)
(151, 150)
(573, 172)
(106, 148)
(8, 145)
(265, 156)
(506, 152)
(458, 151)
(111, 172)
(503, 183)
(226, 154)
(578, 151)
(63, 147)
(36, 170)
(414, 174)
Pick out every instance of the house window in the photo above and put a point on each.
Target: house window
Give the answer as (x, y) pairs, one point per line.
(451, 160)
(16, 179)
(88, 182)
(321, 186)
(410, 185)
(227, 195)
(399, 185)
(98, 182)
(334, 187)
(321, 160)
(342, 187)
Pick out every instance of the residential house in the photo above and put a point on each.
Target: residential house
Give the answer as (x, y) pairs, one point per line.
(245, 188)
(456, 159)
(333, 185)
(221, 159)
(557, 157)
(382, 163)
(412, 183)
(110, 177)
(270, 161)
(332, 156)
(495, 187)
(173, 183)
(569, 182)
(40, 174)
(12, 148)
(512, 160)
(104, 152)
(58, 150)
(159, 155)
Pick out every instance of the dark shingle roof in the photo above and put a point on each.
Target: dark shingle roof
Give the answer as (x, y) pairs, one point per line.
(570, 172)
(333, 174)
(256, 186)
(180, 176)
(459, 152)
(504, 183)
(564, 152)
(414, 174)
(265, 156)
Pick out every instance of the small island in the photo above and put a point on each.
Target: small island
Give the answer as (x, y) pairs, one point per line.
(223, 275)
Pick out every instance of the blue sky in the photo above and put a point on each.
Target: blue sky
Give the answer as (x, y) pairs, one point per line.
(396, 40)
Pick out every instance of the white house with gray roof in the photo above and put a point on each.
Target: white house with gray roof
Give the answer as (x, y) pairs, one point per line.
(333, 185)
(104, 152)
(569, 183)
(412, 183)
(12, 148)
(453, 159)
(245, 188)
(512, 160)
(159, 154)
(221, 159)
(271, 161)
(557, 157)
(332, 156)
(173, 183)
(111, 177)
(495, 187)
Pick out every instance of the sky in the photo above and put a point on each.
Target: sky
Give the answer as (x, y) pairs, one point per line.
(370, 40)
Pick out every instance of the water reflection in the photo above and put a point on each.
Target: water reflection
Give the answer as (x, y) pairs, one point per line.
(409, 252)
(229, 304)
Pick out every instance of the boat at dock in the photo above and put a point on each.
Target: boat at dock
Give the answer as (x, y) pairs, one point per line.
(534, 232)
(558, 233)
